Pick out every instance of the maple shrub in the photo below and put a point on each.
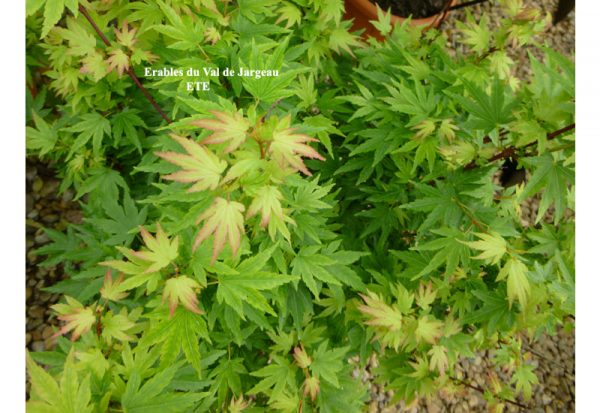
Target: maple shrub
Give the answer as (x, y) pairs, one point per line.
(245, 248)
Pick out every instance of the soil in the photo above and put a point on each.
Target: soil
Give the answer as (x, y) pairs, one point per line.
(416, 8)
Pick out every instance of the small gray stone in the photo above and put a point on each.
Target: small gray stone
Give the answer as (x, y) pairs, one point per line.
(50, 218)
(42, 239)
(546, 400)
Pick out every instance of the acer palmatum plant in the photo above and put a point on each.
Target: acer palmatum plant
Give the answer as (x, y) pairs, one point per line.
(241, 244)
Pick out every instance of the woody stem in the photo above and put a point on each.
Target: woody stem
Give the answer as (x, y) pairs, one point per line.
(130, 72)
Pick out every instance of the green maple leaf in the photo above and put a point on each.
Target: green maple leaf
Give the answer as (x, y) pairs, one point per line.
(200, 167)
(224, 219)
(153, 396)
(121, 220)
(115, 326)
(175, 334)
(488, 112)
(227, 377)
(182, 290)
(244, 283)
(69, 395)
(43, 137)
(327, 364)
(517, 284)
(341, 39)
(494, 311)
(31, 6)
(383, 22)
(554, 179)
(92, 126)
(227, 127)
(126, 123)
(310, 265)
(245, 167)
(274, 378)
(78, 318)
(53, 11)
(288, 147)
(450, 251)
(331, 9)
(476, 35)
(524, 378)
(323, 128)
(290, 13)
(439, 202)
(81, 42)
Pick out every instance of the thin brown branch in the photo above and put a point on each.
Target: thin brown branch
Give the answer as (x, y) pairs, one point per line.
(441, 16)
(482, 391)
(273, 106)
(488, 52)
(130, 71)
(84, 11)
(511, 151)
(555, 134)
(470, 215)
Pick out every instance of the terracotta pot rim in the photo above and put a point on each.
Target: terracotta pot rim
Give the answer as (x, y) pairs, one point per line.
(369, 9)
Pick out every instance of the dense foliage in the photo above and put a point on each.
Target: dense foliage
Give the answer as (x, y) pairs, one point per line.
(237, 257)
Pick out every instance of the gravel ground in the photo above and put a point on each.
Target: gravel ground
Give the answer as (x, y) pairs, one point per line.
(553, 357)
(44, 209)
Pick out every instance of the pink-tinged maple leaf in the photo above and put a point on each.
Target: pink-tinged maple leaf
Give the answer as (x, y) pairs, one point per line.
(224, 219)
(380, 313)
(267, 202)
(287, 147)
(118, 60)
(200, 166)
(226, 127)
(182, 290)
(212, 35)
(111, 289)
(302, 358)
(79, 319)
(125, 36)
(311, 387)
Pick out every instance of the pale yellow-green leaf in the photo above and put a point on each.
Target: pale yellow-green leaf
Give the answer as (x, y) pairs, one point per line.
(517, 283)
(182, 290)
(200, 166)
(438, 359)
(224, 220)
(227, 127)
(492, 245)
